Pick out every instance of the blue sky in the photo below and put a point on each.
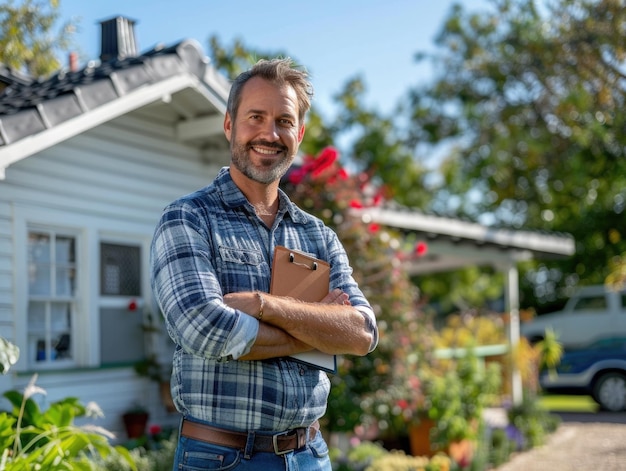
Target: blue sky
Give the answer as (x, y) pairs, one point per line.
(334, 39)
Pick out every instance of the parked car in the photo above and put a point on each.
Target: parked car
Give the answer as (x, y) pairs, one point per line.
(598, 370)
(593, 313)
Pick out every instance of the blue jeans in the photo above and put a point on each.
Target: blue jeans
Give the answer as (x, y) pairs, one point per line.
(195, 455)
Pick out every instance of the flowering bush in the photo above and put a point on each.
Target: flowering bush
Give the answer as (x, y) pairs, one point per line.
(382, 389)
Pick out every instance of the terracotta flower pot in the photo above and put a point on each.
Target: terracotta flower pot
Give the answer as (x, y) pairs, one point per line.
(135, 423)
(461, 451)
(419, 437)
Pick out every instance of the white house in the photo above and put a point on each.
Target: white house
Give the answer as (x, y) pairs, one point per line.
(88, 159)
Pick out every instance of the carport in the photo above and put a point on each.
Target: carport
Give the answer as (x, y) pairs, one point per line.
(453, 244)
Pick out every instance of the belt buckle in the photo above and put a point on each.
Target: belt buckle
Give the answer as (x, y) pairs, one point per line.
(275, 443)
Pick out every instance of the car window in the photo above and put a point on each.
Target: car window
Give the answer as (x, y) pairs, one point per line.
(592, 302)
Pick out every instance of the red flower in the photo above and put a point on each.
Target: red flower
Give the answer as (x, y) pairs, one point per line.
(324, 160)
(414, 382)
(374, 228)
(297, 175)
(155, 429)
(421, 248)
(403, 403)
(356, 204)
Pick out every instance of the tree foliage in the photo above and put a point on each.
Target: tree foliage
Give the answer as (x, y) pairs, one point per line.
(27, 40)
(531, 96)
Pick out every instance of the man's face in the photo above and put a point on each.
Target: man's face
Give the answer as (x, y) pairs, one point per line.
(265, 135)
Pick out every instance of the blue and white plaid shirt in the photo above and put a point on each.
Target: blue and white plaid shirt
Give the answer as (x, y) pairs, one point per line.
(211, 243)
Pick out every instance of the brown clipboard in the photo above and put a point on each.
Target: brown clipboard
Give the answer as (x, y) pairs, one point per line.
(301, 276)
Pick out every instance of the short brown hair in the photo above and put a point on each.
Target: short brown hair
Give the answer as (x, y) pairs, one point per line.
(278, 71)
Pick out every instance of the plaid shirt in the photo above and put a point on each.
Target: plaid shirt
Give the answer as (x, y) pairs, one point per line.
(211, 243)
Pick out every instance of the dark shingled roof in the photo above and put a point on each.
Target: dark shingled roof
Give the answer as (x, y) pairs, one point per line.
(28, 106)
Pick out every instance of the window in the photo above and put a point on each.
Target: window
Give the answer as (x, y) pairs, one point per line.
(121, 334)
(51, 297)
(120, 270)
(592, 302)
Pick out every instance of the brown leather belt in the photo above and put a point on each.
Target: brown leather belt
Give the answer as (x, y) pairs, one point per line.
(279, 443)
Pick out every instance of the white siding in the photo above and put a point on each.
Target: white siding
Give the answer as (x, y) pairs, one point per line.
(111, 182)
(6, 272)
(111, 172)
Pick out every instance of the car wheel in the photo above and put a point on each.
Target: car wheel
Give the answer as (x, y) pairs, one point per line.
(610, 392)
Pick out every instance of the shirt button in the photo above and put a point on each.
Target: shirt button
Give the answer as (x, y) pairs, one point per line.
(301, 371)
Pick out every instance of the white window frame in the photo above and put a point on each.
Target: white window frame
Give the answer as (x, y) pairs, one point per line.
(89, 231)
(47, 332)
(28, 218)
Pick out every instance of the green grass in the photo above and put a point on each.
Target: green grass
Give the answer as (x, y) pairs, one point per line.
(559, 403)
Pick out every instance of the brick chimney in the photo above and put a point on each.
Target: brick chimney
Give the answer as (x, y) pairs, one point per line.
(118, 39)
(73, 62)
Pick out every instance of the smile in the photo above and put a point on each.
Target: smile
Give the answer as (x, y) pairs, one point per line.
(265, 151)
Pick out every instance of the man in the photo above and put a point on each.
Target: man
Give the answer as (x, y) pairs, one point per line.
(245, 404)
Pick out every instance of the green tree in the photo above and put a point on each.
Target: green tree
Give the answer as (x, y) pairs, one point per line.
(237, 58)
(27, 40)
(379, 148)
(529, 97)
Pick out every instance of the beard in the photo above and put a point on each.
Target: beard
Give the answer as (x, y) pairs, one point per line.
(270, 169)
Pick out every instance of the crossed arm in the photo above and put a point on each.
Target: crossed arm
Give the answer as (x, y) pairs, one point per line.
(289, 326)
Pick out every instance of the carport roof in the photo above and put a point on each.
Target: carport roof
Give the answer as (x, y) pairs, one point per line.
(454, 243)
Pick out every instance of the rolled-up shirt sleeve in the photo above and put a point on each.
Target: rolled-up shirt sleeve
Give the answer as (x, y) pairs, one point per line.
(341, 277)
(187, 290)
(370, 324)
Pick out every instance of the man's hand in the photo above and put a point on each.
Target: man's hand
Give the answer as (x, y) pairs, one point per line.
(336, 296)
(271, 341)
(245, 301)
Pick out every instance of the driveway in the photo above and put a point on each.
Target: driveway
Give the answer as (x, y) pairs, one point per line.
(583, 441)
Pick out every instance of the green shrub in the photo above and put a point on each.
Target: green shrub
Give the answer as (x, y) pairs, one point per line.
(533, 421)
(151, 456)
(501, 447)
(399, 461)
(458, 398)
(357, 458)
(369, 456)
(48, 440)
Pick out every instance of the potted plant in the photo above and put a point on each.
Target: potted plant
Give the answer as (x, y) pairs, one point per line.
(457, 397)
(135, 421)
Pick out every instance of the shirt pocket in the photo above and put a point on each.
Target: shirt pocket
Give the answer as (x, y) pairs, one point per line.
(243, 270)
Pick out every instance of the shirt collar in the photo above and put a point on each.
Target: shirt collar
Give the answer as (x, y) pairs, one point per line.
(232, 197)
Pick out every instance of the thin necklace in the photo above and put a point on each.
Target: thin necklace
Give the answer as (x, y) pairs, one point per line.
(261, 211)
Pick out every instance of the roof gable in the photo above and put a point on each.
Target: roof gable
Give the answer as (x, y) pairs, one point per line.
(35, 114)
